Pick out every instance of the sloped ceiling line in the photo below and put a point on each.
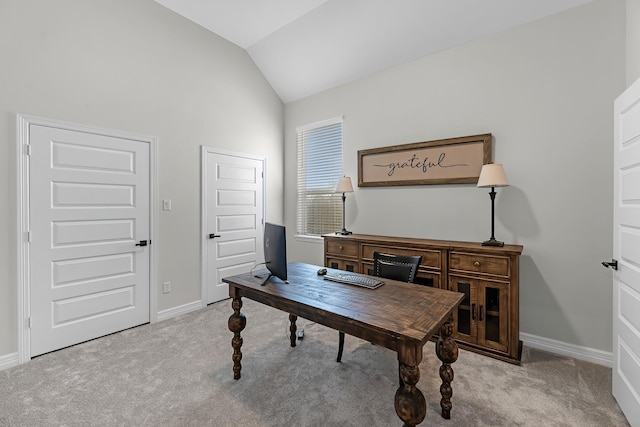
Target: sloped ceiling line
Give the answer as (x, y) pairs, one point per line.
(307, 46)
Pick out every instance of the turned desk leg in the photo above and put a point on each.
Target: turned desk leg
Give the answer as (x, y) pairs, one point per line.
(236, 324)
(447, 351)
(410, 404)
(293, 329)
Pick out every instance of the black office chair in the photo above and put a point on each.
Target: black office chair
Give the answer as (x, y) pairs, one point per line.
(395, 267)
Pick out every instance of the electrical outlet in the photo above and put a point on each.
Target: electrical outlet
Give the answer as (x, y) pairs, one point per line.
(166, 287)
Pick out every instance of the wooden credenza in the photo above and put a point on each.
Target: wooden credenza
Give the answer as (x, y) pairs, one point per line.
(487, 321)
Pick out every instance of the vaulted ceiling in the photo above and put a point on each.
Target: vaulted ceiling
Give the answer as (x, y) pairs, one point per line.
(306, 46)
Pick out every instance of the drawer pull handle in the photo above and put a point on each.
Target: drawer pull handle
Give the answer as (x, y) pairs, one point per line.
(477, 263)
(341, 248)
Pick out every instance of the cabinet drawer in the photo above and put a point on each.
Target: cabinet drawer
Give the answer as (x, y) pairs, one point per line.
(335, 247)
(430, 258)
(476, 263)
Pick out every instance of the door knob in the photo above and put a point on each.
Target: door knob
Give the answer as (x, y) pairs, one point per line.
(142, 243)
(613, 264)
(213, 235)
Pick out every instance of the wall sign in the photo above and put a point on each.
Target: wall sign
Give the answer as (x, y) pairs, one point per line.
(444, 161)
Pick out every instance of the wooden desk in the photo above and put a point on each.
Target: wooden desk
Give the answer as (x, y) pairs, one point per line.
(399, 316)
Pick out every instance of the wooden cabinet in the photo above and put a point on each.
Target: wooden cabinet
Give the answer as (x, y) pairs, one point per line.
(482, 317)
(489, 316)
(343, 255)
(487, 321)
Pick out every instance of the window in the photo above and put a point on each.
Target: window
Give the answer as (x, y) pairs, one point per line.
(319, 208)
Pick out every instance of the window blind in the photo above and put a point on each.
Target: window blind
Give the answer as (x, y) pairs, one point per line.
(319, 208)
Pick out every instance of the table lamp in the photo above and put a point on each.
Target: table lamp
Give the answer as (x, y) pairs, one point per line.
(492, 175)
(344, 186)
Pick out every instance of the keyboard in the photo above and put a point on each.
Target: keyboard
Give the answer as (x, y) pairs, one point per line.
(353, 279)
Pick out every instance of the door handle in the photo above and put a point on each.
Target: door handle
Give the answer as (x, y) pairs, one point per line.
(613, 264)
(213, 235)
(142, 243)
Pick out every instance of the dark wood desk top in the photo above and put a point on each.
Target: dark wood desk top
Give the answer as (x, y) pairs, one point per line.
(394, 312)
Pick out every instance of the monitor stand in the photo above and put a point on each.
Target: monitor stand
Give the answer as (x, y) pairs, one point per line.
(286, 282)
(267, 279)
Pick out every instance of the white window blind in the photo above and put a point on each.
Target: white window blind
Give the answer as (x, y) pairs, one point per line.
(319, 209)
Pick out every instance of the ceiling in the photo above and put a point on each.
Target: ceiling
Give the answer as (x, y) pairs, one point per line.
(307, 46)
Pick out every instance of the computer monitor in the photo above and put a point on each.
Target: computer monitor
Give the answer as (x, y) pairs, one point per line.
(275, 251)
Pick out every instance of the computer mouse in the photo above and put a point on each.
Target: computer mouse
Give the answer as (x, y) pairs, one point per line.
(322, 272)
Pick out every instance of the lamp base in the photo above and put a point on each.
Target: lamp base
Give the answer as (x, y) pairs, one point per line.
(344, 232)
(492, 242)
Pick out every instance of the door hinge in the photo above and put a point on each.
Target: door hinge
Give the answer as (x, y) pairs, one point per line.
(29, 322)
(29, 236)
(27, 149)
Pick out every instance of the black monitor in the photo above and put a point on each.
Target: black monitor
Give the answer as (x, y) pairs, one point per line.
(275, 251)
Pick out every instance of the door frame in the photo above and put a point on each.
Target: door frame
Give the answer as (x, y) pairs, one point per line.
(23, 123)
(204, 151)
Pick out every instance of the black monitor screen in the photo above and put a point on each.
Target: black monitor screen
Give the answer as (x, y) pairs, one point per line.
(275, 251)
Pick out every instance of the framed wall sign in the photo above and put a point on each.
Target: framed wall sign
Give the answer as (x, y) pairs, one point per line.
(444, 161)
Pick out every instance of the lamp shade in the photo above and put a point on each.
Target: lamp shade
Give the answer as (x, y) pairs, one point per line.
(492, 175)
(344, 185)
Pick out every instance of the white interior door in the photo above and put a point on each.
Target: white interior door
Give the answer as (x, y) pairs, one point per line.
(626, 249)
(88, 208)
(232, 218)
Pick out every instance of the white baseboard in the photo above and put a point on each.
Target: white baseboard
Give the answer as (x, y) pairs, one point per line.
(8, 361)
(570, 350)
(181, 309)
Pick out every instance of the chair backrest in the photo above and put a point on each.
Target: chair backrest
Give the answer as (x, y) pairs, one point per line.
(396, 267)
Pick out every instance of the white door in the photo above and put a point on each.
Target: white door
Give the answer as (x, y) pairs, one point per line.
(88, 208)
(626, 249)
(232, 218)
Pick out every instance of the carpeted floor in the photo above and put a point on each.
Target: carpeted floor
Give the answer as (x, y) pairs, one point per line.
(178, 373)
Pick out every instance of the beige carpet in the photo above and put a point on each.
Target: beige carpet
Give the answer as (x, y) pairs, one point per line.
(178, 373)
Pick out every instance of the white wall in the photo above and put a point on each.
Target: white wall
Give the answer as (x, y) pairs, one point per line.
(545, 90)
(133, 65)
(633, 41)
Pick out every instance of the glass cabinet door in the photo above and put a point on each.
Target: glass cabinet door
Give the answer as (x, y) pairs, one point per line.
(464, 319)
(342, 264)
(428, 279)
(492, 315)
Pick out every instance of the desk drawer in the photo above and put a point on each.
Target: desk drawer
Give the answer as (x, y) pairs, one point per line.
(336, 247)
(430, 258)
(476, 263)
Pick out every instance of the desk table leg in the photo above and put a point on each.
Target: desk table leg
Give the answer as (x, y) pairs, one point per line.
(237, 322)
(410, 404)
(293, 329)
(447, 351)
